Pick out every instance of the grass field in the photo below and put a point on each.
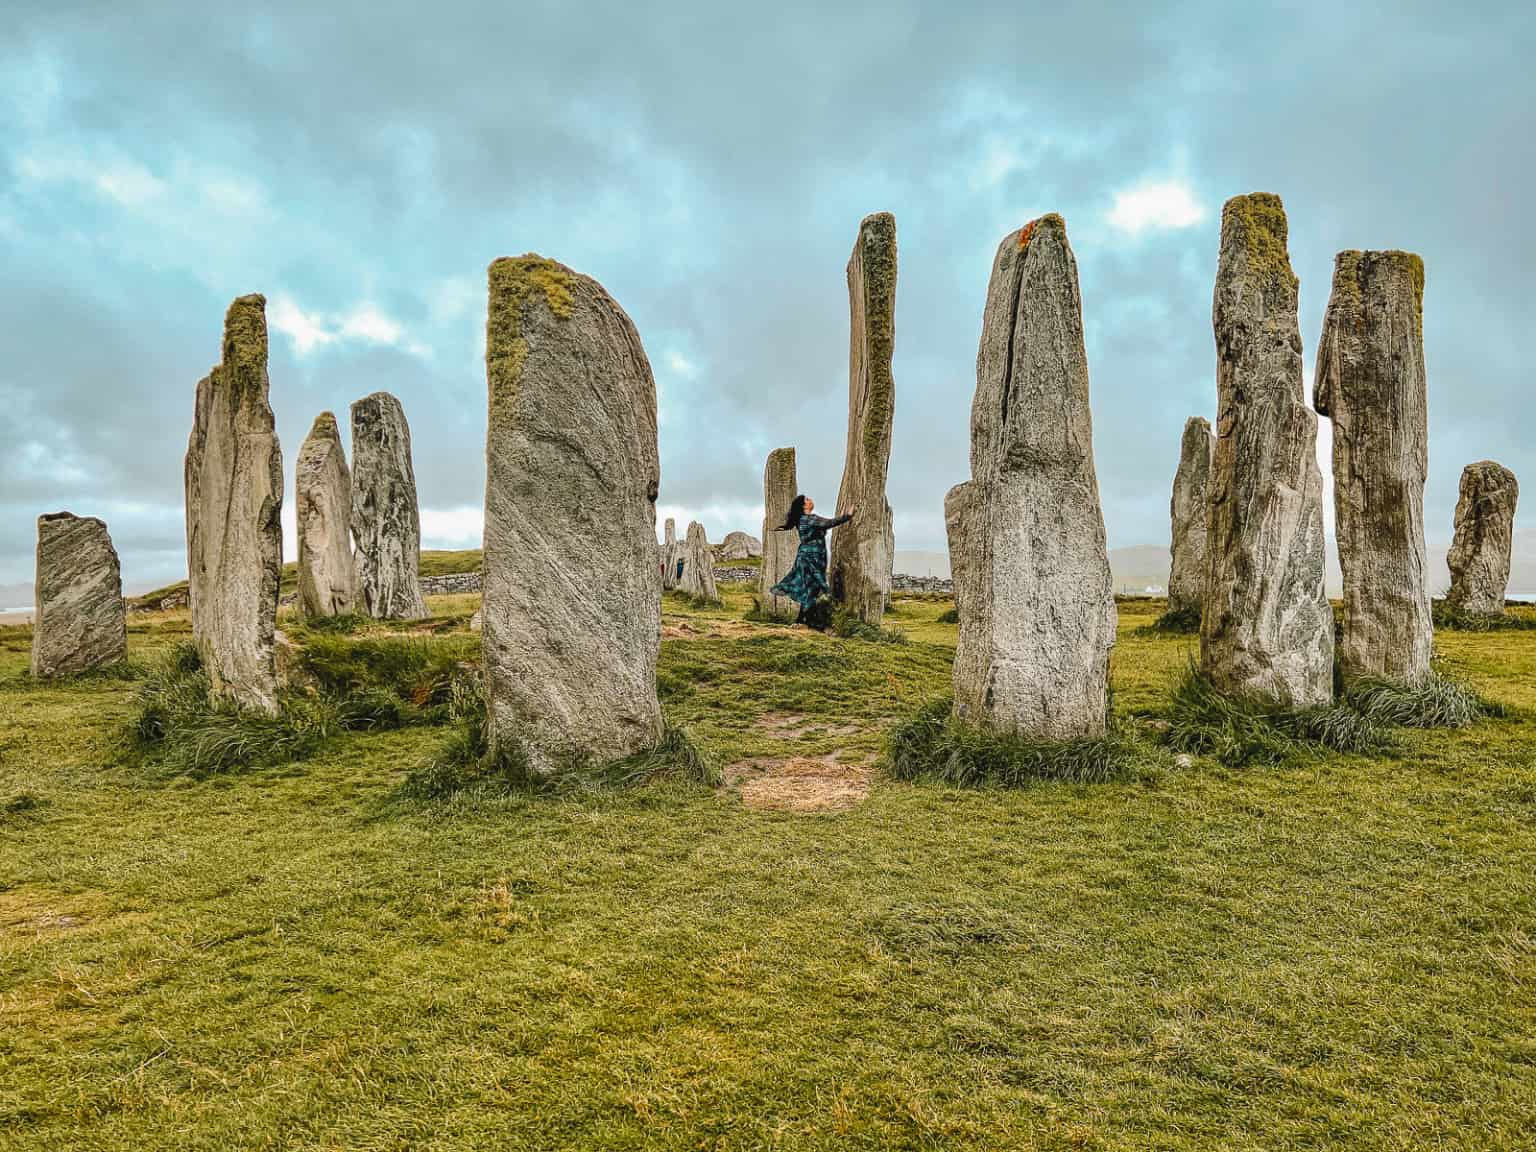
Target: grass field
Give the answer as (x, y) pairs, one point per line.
(1335, 951)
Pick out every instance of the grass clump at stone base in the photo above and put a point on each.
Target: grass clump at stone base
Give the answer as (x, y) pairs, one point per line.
(1514, 619)
(848, 626)
(418, 673)
(937, 745)
(1181, 621)
(1437, 703)
(948, 616)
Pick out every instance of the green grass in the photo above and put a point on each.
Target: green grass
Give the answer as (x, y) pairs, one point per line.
(1332, 950)
(1515, 618)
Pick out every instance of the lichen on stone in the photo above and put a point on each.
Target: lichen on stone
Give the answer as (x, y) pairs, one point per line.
(1259, 220)
(513, 281)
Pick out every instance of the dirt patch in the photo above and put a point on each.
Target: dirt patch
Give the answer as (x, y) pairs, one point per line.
(677, 628)
(800, 783)
(794, 725)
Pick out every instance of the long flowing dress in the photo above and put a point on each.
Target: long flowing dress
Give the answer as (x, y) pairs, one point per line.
(806, 582)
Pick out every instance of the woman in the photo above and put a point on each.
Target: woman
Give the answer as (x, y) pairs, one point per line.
(806, 582)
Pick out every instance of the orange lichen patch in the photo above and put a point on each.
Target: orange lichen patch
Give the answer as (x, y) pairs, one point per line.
(1025, 233)
(800, 783)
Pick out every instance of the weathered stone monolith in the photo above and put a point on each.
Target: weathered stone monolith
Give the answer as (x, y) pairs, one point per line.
(1037, 611)
(859, 561)
(234, 498)
(1370, 382)
(1187, 510)
(571, 610)
(386, 522)
(1266, 628)
(1480, 552)
(80, 623)
(779, 543)
(322, 489)
(698, 579)
(740, 546)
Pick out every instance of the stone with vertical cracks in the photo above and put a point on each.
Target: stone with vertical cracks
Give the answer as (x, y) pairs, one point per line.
(779, 543)
(1187, 511)
(1370, 382)
(386, 521)
(671, 553)
(322, 490)
(1036, 604)
(1480, 553)
(698, 579)
(1266, 628)
(571, 609)
(234, 500)
(80, 622)
(859, 565)
(957, 503)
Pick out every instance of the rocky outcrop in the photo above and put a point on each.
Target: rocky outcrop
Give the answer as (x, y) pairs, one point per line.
(739, 546)
(1187, 510)
(698, 578)
(572, 611)
(1037, 615)
(234, 498)
(322, 489)
(1480, 553)
(80, 621)
(779, 543)
(1266, 629)
(859, 562)
(1370, 382)
(386, 522)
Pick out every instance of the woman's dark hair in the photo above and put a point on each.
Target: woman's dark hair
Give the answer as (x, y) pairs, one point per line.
(796, 512)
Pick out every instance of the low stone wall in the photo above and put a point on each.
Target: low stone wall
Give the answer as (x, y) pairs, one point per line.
(454, 584)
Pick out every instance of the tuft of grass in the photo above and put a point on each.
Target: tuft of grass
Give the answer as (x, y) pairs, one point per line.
(1181, 621)
(1437, 703)
(850, 627)
(935, 744)
(949, 616)
(420, 672)
(1448, 619)
(18, 806)
(342, 625)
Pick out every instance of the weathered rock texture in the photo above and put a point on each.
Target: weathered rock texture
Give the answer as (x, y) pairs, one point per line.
(80, 621)
(386, 522)
(234, 497)
(740, 546)
(779, 544)
(1037, 611)
(572, 611)
(698, 578)
(1485, 525)
(671, 553)
(859, 561)
(1266, 628)
(1370, 381)
(1187, 510)
(322, 490)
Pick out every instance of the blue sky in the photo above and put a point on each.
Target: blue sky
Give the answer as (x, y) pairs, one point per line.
(710, 165)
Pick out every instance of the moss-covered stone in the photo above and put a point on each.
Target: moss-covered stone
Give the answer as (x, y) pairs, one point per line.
(514, 280)
(1259, 218)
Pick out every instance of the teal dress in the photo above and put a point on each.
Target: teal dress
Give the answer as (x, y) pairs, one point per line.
(807, 580)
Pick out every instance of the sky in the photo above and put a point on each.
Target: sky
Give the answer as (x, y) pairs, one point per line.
(709, 164)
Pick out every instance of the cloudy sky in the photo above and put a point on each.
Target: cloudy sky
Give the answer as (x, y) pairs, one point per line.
(710, 164)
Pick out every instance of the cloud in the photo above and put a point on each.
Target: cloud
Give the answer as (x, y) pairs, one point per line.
(1155, 205)
(364, 323)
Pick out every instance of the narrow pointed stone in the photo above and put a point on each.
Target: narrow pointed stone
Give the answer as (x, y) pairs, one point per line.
(671, 553)
(1480, 553)
(386, 521)
(572, 609)
(234, 497)
(322, 491)
(698, 579)
(1370, 382)
(1037, 611)
(1266, 628)
(1187, 511)
(80, 622)
(859, 561)
(779, 543)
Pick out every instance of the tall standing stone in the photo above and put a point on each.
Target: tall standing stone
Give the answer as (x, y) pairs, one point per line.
(1370, 382)
(1036, 605)
(1187, 510)
(386, 522)
(322, 492)
(1266, 628)
(671, 553)
(779, 543)
(80, 623)
(234, 500)
(698, 579)
(572, 613)
(1485, 527)
(859, 564)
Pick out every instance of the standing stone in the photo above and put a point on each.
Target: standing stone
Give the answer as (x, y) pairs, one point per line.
(1036, 605)
(322, 491)
(234, 497)
(1266, 628)
(571, 610)
(779, 543)
(80, 622)
(1187, 509)
(1480, 552)
(671, 553)
(740, 546)
(1370, 381)
(698, 580)
(861, 553)
(386, 523)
